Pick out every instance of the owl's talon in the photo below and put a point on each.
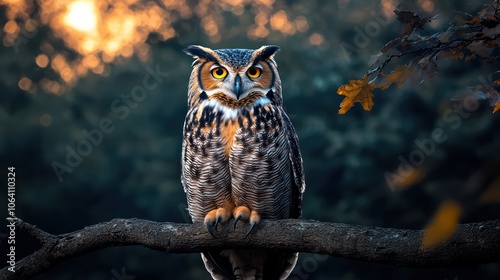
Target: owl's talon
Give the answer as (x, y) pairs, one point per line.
(254, 220)
(252, 225)
(215, 217)
(236, 220)
(219, 218)
(210, 219)
(209, 229)
(241, 213)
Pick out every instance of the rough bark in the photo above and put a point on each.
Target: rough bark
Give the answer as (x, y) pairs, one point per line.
(471, 243)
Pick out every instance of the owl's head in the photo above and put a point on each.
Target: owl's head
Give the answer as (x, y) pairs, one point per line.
(235, 78)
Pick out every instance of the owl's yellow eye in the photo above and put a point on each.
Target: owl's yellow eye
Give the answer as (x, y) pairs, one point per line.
(219, 72)
(254, 72)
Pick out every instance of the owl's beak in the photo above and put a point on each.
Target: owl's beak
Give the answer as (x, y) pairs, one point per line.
(237, 86)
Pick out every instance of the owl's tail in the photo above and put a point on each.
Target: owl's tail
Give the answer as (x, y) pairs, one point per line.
(247, 264)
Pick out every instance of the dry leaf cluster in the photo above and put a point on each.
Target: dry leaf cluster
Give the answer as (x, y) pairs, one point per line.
(476, 37)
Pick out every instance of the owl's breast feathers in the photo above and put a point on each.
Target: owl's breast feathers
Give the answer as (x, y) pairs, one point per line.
(222, 117)
(259, 139)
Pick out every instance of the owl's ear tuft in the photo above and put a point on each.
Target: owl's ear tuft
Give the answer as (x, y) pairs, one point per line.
(200, 52)
(265, 52)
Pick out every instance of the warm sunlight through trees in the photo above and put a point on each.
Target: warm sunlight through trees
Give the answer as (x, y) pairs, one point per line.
(100, 31)
(82, 16)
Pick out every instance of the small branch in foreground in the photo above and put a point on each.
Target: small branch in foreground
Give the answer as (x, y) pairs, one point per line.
(470, 244)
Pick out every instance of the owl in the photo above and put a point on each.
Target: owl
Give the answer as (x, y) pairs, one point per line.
(240, 156)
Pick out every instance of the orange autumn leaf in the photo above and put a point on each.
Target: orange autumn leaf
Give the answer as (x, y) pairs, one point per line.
(497, 106)
(398, 76)
(409, 178)
(356, 91)
(443, 224)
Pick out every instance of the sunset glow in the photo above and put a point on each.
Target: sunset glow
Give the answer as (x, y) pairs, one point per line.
(101, 31)
(81, 16)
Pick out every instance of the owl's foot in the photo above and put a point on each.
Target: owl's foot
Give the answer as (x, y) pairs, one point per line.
(241, 213)
(245, 214)
(214, 217)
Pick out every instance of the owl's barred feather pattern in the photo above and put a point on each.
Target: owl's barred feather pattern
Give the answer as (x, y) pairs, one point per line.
(240, 150)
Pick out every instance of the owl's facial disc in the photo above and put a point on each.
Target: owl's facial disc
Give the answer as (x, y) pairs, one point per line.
(234, 78)
(237, 83)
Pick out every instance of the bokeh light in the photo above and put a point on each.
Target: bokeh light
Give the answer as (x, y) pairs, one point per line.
(24, 83)
(100, 31)
(42, 60)
(82, 16)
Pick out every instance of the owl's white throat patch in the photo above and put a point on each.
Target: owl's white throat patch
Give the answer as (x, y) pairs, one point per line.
(229, 113)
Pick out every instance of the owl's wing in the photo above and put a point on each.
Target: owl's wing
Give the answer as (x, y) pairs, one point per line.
(280, 264)
(298, 180)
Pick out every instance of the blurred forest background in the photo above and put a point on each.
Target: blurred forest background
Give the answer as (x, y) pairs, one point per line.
(67, 68)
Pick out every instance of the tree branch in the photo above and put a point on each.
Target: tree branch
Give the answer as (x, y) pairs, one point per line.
(471, 243)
